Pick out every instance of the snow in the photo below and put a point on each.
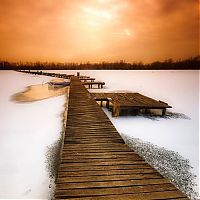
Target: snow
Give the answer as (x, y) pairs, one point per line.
(25, 132)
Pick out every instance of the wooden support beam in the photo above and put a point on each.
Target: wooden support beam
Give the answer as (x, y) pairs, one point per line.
(163, 111)
(116, 110)
(108, 104)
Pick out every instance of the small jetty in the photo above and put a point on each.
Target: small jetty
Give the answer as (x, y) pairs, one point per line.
(96, 164)
(127, 103)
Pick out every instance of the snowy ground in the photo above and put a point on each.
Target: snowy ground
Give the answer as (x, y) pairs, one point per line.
(26, 131)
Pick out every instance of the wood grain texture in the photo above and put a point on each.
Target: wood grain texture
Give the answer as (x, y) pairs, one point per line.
(136, 100)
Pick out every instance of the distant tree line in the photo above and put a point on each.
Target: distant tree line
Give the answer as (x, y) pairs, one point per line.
(186, 64)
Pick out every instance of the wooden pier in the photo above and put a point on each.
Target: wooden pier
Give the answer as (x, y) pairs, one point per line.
(130, 102)
(95, 164)
(51, 74)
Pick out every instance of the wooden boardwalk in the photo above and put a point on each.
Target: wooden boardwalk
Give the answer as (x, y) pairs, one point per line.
(96, 164)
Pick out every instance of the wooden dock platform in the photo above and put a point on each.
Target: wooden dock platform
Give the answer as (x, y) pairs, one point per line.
(95, 164)
(134, 102)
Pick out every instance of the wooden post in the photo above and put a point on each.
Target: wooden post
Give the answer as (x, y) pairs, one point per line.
(116, 110)
(163, 111)
(101, 103)
(107, 104)
(78, 74)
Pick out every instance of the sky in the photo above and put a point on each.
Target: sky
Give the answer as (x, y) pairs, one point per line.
(98, 30)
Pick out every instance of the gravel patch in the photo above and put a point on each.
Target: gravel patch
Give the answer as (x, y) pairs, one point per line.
(53, 154)
(169, 163)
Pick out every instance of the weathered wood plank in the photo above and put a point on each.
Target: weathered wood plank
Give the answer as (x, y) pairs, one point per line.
(99, 154)
(108, 178)
(64, 167)
(114, 190)
(102, 156)
(107, 184)
(164, 195)
(103, 163)
(101, 173)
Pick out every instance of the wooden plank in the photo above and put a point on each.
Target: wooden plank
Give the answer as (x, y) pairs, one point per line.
(94, 140)
(107, 184)
(63, 173)
(103, 172)
(64, 167)
(114, 190)
(164, 195)
(97, 146)
(103, 163)
(101, 156)
(100, 161)
(108, 178)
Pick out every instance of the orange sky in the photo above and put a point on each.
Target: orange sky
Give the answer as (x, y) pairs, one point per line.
(98, 30)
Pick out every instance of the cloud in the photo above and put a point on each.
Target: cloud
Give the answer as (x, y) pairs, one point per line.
(62, 30)
(170, 6)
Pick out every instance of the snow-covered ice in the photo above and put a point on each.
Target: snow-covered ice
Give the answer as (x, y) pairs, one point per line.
(26, 131)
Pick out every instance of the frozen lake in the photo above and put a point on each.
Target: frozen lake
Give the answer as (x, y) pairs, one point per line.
(27, 129)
